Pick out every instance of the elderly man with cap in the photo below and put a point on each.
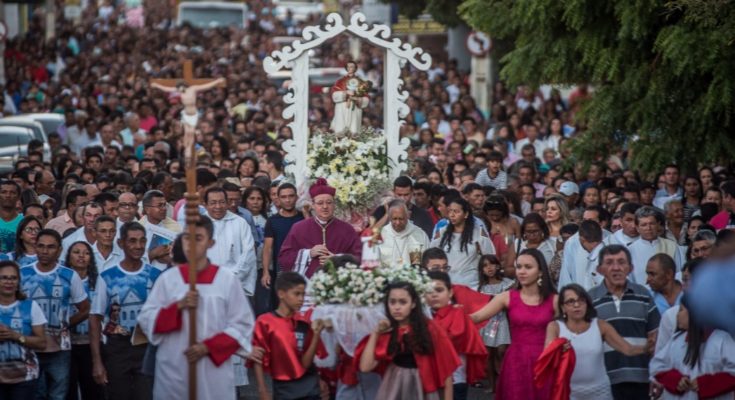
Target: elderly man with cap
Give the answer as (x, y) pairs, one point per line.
(314, 240)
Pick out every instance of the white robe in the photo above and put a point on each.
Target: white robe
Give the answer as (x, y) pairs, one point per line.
(347, 117)
(718, 355)
(234, 250)
(397, 245)
(222, 308)
(642, 250)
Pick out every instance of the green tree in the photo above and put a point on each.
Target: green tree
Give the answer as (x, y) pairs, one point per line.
(662, 71)
(442, 11)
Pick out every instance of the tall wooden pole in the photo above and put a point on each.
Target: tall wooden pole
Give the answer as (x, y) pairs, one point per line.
(192, 216)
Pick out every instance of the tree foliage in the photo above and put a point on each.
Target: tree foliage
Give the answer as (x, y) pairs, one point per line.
(442, 11)
(663, 71)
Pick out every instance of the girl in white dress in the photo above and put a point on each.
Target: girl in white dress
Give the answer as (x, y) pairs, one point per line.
(496, 334)
(586, 334)
(696, 363)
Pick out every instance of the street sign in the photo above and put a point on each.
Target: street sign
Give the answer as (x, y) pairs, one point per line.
(479, 44)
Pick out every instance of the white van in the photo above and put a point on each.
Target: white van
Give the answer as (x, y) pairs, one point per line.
(212, 14)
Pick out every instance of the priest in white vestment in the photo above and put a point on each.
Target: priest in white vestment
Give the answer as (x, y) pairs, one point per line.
(225, 325)
(400, 237)
(650, 244)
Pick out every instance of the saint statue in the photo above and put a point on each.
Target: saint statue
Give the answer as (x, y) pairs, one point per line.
(350, 96)
(190, 114)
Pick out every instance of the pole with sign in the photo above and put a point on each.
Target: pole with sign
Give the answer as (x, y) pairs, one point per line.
(3, 36)
(479, 45)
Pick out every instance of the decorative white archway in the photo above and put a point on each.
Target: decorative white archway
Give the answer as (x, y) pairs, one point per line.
(296, 58)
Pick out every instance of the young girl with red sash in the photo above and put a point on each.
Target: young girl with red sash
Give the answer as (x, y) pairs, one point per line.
(413, 354)
(465, 336)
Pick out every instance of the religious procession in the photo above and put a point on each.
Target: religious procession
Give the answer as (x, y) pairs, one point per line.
(395, 200)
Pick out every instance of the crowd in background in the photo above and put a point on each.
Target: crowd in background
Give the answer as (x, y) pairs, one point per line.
(490, 195)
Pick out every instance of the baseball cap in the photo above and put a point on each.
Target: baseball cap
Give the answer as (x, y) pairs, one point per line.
(568, 188)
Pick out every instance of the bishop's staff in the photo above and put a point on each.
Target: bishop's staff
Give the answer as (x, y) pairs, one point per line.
(192, 216)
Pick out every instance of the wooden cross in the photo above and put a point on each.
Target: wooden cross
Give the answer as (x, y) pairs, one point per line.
(188, 78)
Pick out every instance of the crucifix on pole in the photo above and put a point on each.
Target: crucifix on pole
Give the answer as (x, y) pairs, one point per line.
(188, 87)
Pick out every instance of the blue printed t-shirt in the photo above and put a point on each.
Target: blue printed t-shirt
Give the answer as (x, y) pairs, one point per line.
(7, 233)
(17, 362)
(120, 295)
(54, 291)
(80, 332)
(23, 260)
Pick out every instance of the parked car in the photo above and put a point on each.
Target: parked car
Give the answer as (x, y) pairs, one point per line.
(35, 127)
(50, 121)
(13, 144)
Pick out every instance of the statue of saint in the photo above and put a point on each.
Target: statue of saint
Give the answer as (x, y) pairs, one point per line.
(190, 114)
(350, 96)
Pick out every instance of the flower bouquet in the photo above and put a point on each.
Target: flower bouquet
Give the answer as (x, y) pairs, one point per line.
(350, 298)
(357, 167)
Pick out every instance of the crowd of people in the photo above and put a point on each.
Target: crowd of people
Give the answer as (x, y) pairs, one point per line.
(533, 257)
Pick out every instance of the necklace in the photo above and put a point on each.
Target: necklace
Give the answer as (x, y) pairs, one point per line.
(400, 250)
(578, 331)
(324, 229)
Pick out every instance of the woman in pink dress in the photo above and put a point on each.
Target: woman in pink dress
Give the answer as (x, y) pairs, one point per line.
(530, 307)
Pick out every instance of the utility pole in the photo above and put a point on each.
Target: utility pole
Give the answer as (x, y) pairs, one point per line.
(50, 10)
(2, 46)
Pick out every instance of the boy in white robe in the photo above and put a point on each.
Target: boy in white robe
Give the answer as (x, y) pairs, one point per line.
(224, 326)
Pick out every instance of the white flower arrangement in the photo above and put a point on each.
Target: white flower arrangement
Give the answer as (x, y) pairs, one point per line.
(357, 167)
(360, 287)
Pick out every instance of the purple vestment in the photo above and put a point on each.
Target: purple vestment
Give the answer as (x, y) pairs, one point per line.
(341, 238)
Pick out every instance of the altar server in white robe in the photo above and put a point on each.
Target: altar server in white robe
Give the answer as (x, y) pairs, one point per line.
(687, 374)
(400, 237)
(225, 324)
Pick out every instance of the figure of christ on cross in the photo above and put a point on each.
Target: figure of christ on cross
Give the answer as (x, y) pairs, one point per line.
(188, 88)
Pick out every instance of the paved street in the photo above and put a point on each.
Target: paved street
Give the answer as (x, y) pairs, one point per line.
(250, 392)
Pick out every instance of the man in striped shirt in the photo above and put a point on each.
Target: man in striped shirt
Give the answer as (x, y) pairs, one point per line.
(630, 309)
(493, 175)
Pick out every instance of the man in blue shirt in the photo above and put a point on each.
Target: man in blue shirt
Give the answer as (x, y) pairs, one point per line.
(660, 277)
(120, 294)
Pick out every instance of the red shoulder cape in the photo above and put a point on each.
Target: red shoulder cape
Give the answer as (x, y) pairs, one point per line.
(276, 335)
(466, 339)
(471, 300)
(434, 369)
(556, 364)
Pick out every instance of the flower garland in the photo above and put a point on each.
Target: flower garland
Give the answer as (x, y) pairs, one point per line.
(357, 167)
(358, 286)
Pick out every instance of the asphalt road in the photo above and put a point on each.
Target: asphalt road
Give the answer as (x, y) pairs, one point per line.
(250, 392)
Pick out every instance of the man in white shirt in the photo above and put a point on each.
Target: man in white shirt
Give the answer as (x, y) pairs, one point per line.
(400, 236)
(79, 140)
(581, 266)
(106, 253)
(532, 139)
(133, 135)
(87, 233)
(648, 224)
(629, 233)
(234, 248)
